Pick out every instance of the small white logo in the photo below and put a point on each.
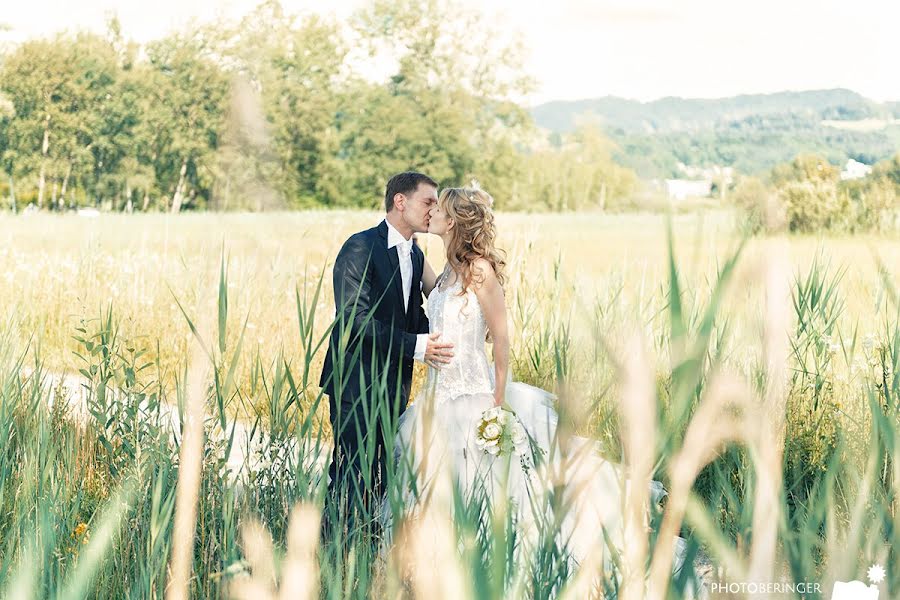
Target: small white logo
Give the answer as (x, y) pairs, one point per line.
(876, 574)
(857, 590)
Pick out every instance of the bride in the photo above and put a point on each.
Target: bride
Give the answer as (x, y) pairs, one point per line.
(443, 431)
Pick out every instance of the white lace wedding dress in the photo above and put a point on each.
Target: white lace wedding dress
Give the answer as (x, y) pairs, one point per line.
(437, 435)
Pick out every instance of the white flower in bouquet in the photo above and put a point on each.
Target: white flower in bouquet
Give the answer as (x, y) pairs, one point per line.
(494, 412)
(492, 431)
(518, 435)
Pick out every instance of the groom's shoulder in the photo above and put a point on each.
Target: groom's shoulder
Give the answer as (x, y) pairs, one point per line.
(361, 240)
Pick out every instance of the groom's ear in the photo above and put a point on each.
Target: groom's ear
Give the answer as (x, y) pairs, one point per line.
(400, 201)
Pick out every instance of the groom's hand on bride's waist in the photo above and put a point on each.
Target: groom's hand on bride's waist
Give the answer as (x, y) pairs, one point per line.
(437, 353)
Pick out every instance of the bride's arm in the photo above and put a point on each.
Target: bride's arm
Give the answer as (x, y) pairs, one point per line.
(493, 305)
(428, 279)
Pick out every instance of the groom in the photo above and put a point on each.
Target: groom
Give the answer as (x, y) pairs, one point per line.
(380, 328)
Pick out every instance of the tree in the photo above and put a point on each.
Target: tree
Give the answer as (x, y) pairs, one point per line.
(578, 174)
(445, 108)
(288, 76)
(68, 124)
(805, 168)
(7, 113)
(188, 90)
(888, 171)
(752, 199)
(50, 92)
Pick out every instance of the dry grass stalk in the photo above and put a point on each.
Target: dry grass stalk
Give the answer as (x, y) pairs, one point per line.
(770, 441)
(639, 433)
(189, 473)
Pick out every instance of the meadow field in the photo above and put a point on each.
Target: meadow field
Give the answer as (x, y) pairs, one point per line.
(60, 270)
(756, 378)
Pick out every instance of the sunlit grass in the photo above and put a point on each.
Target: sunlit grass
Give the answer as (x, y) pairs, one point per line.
(797, 344)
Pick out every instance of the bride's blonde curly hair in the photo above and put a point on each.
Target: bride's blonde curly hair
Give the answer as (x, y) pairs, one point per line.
(474, 232)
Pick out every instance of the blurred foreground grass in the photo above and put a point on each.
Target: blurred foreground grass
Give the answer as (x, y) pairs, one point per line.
(797, 342)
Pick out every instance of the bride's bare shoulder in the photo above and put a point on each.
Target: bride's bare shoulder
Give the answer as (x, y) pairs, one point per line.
(482, 265)
(483, 274)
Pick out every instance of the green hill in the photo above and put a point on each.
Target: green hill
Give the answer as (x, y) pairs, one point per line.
(749, 132)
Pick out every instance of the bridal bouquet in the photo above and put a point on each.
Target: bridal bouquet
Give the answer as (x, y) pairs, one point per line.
(498, 431)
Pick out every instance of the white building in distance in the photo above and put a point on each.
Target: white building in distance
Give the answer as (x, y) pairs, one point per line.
(855, 170)
(680, 189)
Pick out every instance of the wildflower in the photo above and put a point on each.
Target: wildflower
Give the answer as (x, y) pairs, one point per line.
(80, 529)
(868, 342)
(237, 568)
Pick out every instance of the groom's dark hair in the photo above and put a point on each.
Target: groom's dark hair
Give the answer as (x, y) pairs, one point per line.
(404, 183)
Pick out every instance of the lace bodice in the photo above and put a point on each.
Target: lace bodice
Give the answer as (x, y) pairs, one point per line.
(460, 321)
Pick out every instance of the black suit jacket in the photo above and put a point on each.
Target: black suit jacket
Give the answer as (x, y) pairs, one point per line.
(373, 337)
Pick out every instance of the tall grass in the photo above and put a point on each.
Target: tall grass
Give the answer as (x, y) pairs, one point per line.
(781, 461)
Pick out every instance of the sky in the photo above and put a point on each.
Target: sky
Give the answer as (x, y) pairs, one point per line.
(639, 49)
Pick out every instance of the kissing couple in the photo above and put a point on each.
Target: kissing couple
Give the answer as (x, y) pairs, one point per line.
(392, 309)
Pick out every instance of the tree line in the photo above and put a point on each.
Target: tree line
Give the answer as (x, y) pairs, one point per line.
(275, 111)
(807, 195)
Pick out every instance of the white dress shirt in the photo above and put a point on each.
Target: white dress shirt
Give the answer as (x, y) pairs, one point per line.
(404, 255)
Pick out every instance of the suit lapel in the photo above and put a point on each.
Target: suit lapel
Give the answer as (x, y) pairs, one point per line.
(396, 282)
(418, 264)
